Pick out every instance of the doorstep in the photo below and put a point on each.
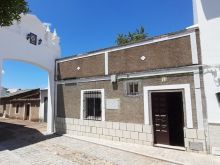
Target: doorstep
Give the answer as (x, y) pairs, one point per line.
(168, 155)
(170, 147)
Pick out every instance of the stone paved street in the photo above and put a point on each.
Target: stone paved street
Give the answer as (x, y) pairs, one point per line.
(24, 142)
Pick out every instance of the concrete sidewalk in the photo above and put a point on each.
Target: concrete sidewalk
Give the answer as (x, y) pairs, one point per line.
(168, 155)
(24, 142)
(8, 158)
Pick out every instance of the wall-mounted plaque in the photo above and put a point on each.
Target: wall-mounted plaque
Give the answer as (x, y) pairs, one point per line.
(112, 104)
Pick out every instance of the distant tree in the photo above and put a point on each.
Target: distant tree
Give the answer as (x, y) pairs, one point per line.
(138, 35)
(10, 10)
(122, 39)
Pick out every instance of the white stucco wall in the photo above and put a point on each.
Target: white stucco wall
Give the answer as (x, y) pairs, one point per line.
(207, 17)
(43, 94)
(15, 46)
(211, 88)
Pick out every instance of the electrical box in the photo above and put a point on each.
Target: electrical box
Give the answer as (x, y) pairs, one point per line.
(113, 78)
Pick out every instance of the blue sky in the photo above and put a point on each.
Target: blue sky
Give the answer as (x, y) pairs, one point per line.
(85, 25)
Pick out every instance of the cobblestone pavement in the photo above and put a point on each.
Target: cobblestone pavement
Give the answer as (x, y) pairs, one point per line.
(23, 143)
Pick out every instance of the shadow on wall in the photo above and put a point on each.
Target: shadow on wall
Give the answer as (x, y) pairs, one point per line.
(61, 111)
(211, 8)
(14, 136)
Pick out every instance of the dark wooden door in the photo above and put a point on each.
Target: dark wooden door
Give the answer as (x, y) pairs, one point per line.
(160, 118)
(27, 111)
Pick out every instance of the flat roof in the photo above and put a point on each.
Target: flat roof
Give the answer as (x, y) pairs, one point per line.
(126, 45)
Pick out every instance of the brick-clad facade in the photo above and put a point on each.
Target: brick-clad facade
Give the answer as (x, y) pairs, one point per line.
(131, 107)
(82, 67)
(173, 53)
(165, 64)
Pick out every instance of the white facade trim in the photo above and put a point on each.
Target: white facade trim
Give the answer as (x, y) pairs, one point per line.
(103, 102)
(165, 38)
(83, 80)
(198, 99)
(43, 95)
(81, 105)
(106, 63)
(195, 15)
(160, 72)
(187, 97)
(194, 50)
(190, 69)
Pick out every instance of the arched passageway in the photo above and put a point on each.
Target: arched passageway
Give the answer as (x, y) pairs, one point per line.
(32, 42)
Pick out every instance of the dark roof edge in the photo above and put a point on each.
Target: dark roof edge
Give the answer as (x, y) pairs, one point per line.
(191, 29)
(18, 93)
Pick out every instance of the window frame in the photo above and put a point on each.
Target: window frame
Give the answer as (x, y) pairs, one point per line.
(127, 88)
(102, 103)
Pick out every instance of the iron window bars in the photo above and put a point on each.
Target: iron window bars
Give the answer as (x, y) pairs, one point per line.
(92, 105)
(132, 88)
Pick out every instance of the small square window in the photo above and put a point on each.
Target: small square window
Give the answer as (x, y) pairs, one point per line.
(132, 88)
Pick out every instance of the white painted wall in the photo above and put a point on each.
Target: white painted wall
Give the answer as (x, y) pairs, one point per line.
(15, 46)
(207, 17)
(43, 94)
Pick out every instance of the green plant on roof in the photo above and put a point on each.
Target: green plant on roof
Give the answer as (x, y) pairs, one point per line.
(131, 37)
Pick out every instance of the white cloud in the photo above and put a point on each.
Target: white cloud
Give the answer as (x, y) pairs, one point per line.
(3, 72)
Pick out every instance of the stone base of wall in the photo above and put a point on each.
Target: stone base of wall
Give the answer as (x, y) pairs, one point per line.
(125, 132)
(214, 137)
(195, 140)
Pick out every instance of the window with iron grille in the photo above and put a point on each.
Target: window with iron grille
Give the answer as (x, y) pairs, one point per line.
(92, 105)
(132, 88)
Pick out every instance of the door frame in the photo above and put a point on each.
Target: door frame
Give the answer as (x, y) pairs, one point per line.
(25, 111)
(183, 109)
(187, 105)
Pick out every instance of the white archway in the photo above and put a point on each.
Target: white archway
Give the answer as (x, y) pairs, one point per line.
(32, 42)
